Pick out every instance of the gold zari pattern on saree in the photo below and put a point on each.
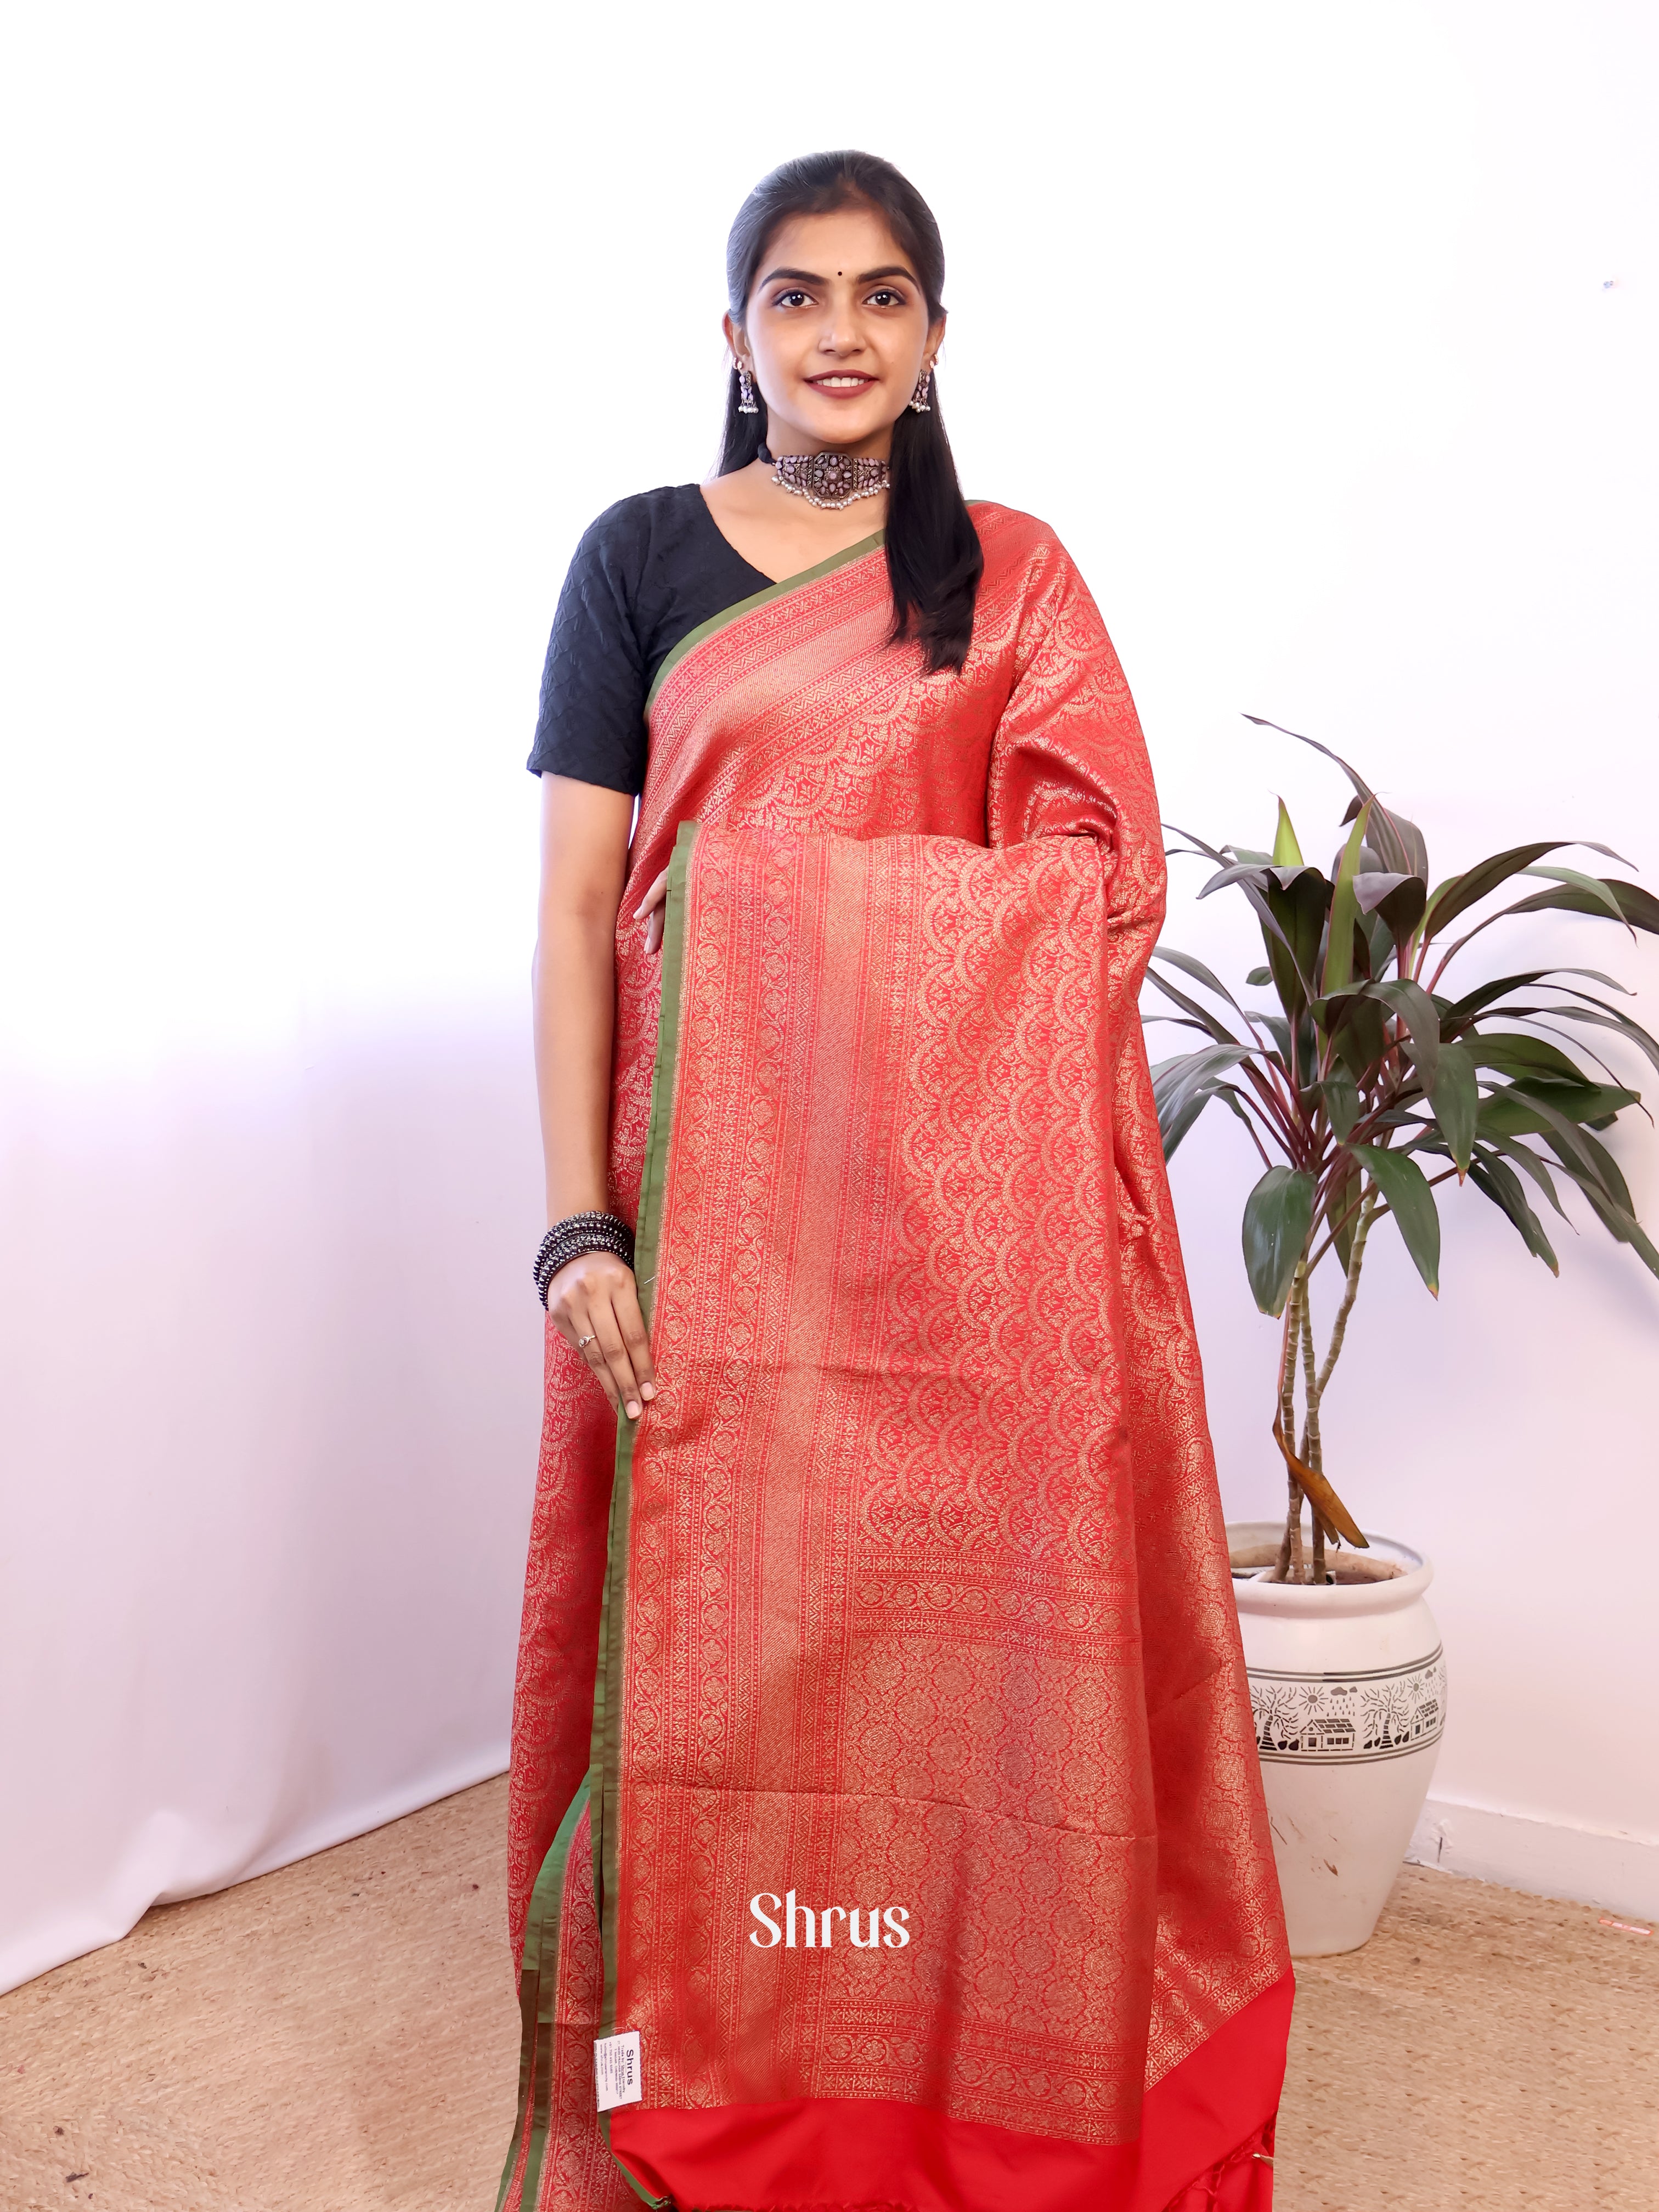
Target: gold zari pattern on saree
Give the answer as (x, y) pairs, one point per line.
(922, 1597)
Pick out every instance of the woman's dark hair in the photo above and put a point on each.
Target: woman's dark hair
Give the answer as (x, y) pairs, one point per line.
(933, 556)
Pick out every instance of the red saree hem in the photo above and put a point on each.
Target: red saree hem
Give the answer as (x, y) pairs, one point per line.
(1207, 2129)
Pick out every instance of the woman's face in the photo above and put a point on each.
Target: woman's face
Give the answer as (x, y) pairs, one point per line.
(837, 333)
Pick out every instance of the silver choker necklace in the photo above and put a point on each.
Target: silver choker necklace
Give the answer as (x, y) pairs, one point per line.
(830, 479)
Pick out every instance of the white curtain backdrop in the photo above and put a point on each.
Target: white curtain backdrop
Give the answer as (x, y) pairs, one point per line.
(1328, 339)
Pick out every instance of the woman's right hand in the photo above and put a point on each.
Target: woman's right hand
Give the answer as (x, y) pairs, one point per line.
(652, 910)
(595, 1306)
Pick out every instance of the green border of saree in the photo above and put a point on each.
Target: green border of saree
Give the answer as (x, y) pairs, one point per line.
(539, 1976)
(778, 591)
(537, 1984)
(647, 1245)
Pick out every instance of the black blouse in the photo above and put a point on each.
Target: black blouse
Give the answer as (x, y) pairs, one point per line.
(645, 575)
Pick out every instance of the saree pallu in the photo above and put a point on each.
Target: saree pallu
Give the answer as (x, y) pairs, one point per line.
(881, 1753)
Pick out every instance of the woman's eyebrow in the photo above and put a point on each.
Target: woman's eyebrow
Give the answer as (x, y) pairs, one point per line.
(806, 277)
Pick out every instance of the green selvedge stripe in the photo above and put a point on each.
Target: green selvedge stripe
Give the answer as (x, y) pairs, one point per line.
(694, 638)
(647, 1233)
(538, 1989)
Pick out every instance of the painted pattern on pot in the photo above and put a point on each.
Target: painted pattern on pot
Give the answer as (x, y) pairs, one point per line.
(1381, 1713)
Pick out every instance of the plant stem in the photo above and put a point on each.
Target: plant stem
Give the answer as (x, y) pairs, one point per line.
(1312, 1454)
(1350, 1292)
(1310, 1383)
(1290, 1551)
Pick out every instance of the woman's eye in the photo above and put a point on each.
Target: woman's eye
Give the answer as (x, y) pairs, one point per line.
(789, 300)
(887, 298)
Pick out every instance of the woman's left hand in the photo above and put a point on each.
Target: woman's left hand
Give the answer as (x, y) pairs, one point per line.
(655, 905)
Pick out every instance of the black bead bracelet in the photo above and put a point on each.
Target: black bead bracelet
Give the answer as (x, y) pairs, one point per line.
(568, 1239)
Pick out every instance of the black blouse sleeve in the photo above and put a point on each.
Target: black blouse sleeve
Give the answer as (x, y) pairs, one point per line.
(591, 724)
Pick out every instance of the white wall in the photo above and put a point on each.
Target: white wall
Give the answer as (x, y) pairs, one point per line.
(342, 321)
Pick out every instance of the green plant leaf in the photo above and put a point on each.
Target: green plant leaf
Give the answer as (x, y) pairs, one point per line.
(1257, 885)
(1278, 1215)
(1176, 1082)
(1345, 912)
(1198, 971)
(1421, 1019)
(1502, 1185)
(1405, 1188)
(1380, 938)
(1298, 910)
(1259, 978)
(1525, 1158)
(1201, 850)
(1398, 842)
(1234, 872)
(1286, 851)
(1186, 1068)
(1455, 1099)
(1372, 885)
(1532, 1109)
(1458, 893)
(1210, 1023)
(1341, 1203)
(1609, 1017)
(1287, 983)
(1512, 1053)
(1172, 1131)
(1639, 908)
(1608, 1174)
(1582, 1157)
(1628, 1231)
(1355, 1025)
(1614, 1212)
(1341, 1102)
(1280, 1031)
(1397, 901)
(1232, 1096)
(1542, 1018)
(1487, 994)
(1593, 888)
(1177, 1122)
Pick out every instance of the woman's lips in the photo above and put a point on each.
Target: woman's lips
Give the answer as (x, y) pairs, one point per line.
(841, 387)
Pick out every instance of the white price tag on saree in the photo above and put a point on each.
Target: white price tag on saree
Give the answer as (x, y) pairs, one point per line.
(616, 2069)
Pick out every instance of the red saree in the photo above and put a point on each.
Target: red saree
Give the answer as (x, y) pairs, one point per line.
(901, 1625)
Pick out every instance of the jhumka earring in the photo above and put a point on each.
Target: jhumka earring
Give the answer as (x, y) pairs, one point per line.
(745, 393)
(919, 397)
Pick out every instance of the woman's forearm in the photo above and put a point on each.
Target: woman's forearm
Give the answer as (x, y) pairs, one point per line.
(574, 1015)
(585, 831)
(593, 1302)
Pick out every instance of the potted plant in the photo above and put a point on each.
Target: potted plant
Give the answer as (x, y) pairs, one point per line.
(1369, 1081)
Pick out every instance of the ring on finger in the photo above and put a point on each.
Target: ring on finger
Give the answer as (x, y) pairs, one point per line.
(581, 1341)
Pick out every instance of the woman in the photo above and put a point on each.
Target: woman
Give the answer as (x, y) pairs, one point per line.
(886, 1824)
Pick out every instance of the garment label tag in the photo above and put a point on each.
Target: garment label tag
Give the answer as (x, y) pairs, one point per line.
(616, 2069)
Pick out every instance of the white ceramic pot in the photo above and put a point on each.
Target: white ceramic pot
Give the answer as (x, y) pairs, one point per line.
(1348, 1688)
